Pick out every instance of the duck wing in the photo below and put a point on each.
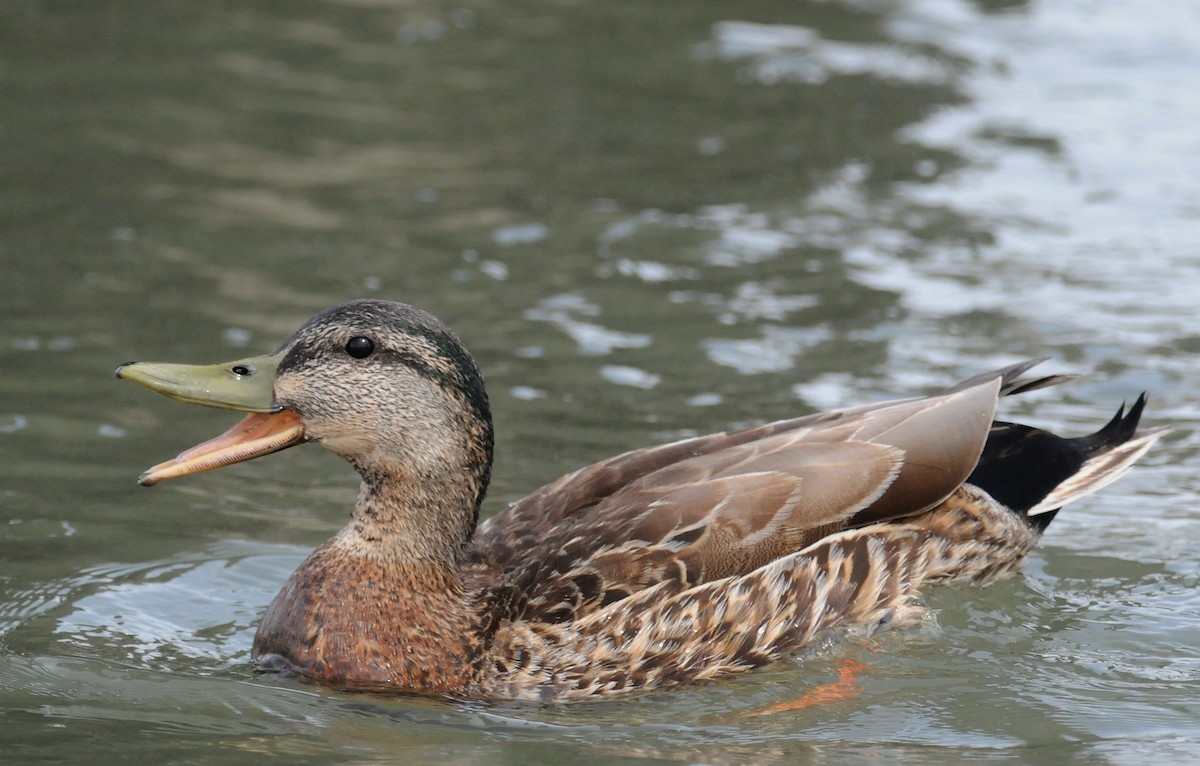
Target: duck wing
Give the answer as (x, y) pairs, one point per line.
(725, 504)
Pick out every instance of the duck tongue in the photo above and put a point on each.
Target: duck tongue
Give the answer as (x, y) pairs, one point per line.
(259, 433)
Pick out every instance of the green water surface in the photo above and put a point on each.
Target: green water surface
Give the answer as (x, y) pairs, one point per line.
(647, 220)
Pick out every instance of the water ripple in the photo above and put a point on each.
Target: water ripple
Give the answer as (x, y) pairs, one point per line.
(201, 606)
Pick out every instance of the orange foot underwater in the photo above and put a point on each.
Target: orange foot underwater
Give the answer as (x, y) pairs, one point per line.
(846, 687)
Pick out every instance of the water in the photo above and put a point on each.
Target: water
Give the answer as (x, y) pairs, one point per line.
(646, 224)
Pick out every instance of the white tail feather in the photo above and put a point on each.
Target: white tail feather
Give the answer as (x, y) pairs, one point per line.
(1098, 471)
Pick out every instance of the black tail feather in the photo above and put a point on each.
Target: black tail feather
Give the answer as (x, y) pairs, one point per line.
(1116, 431)
(1021, 465)
(1042, 520)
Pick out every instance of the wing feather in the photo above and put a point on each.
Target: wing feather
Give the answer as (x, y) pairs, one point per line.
(723, 505)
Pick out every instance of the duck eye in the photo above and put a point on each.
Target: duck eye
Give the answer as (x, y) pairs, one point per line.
(360, 347)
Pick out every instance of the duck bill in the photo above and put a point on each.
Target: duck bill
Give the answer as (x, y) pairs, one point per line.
(246, 385)
(255, 435)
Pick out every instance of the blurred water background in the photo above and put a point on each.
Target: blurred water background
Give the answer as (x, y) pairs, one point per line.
(647, 220)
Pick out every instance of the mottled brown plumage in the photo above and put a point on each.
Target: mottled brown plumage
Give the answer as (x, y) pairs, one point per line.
(665, 565)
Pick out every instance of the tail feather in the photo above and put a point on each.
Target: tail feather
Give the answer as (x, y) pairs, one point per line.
(1035, 473)
(1108, 461)
(1011, 382)
(1019, 386)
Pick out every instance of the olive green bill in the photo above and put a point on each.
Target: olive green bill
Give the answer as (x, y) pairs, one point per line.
(246, 385)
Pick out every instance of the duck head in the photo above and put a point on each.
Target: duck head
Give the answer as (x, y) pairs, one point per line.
(386, 386)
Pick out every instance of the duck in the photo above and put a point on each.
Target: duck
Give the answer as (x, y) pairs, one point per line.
(673, 564)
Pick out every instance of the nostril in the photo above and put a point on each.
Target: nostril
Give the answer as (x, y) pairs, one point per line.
(240, 370)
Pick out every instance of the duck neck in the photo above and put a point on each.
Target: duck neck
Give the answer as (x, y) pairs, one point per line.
(413, 521)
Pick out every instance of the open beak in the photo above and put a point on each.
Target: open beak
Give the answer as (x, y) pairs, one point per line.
(246, 385)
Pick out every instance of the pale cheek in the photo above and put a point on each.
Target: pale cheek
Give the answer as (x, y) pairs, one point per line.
(349, 436)
(347, 442)
(326, 420)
